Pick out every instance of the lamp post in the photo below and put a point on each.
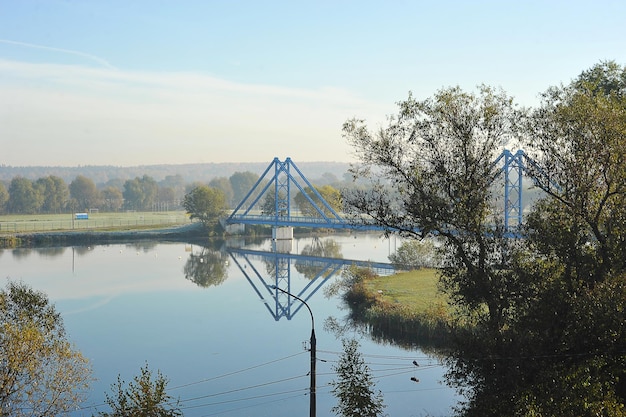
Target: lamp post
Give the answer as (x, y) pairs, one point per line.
(312, 406)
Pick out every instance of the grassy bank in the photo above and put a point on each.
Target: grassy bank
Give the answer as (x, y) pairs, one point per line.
(10, 224)
(406, 308)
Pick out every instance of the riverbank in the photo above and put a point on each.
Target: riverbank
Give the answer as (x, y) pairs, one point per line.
(407, 308)
(185, 232)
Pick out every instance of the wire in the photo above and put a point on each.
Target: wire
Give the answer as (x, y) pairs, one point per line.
(234, 372)
(241, 389)
(88, 407)
(242, 399)
(250, 406)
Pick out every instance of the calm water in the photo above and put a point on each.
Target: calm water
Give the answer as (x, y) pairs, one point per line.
(207, 321)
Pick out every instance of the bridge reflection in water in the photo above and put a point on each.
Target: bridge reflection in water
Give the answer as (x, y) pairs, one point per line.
(277, 276)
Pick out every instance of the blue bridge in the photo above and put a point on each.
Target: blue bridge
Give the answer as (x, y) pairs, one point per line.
(271, 199)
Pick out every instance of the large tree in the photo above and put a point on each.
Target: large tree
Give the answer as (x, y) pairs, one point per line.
(140, 193)
(205, 203)
(112, 198)
(84, 193)
(54, 192)
(24, 198)
(432, 171)
(576, 249)
(549, 339)
(41, 374)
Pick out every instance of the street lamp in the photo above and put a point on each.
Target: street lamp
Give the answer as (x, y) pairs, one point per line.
(313, 349)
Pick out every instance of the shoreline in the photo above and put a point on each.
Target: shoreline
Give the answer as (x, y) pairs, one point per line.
(191, 231)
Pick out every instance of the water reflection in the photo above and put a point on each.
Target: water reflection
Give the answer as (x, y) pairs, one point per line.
(207, 268)
(313, 263)
(159, 303)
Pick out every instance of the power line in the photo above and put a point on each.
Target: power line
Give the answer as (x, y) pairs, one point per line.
(241, 389)
(252, 405)
(234, 372)
(304, 390)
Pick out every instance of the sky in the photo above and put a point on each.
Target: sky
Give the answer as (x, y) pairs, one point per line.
(142, 82)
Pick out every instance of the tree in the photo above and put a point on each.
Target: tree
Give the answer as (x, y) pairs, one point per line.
(54, 193)
(4, 197)
(327, 248)
(40, 372)
(140, 193)
(330, 194)
(431, 171)
(574, 252)
(207, 268)
(175, 182)
(112, 198)
(224, 184)
(84, 193)
(23, 197)
(268, 206)
(205, 204)
(354, 387)
(547, 311)
(145, 396)
(415, 254)
(241, 184)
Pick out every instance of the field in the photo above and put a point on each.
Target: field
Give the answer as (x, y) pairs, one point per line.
(100, 221)
(415, 290)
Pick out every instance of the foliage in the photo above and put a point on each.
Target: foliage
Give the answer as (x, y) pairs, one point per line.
(268, 206)
(241, 183)
(40, 372)
(311, 205)
(112, 199)
(327, 248)
(405, 309)
(145, 396)
(223, 184)
(23, 197)
(140, 193)
(4, 197)
(54, 193)
(549, 309)
(354, 386)
(84, 193)
(207, 268)
(432, 170)
(205, 204)
(415, 254)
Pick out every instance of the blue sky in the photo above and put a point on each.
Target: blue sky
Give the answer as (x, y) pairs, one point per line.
(123, 82)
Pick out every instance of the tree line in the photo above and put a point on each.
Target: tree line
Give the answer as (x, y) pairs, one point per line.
(51, 194)
(539, 327)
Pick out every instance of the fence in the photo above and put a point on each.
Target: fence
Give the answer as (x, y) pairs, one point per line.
(96, 221)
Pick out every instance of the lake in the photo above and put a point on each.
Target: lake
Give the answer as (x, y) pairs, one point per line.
(207, 319)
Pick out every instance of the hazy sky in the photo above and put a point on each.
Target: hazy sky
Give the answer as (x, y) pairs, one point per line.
(135, 82)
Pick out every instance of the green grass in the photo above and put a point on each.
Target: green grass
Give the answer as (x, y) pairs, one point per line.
(416, 291)
(60, 222)
(406, 308)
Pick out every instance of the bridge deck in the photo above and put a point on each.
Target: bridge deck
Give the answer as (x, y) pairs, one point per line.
(298, 221)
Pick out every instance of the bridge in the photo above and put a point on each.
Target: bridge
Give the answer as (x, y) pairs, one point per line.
(271, 202)
(278, 275)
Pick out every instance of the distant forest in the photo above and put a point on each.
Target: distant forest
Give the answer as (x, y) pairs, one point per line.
(191, 173)
(36, 189)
